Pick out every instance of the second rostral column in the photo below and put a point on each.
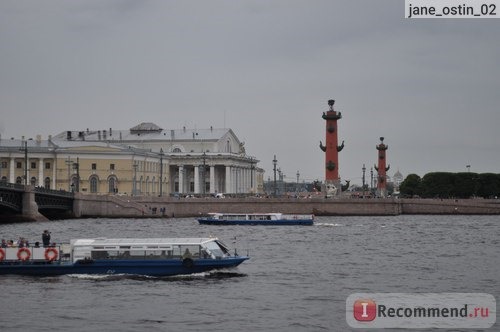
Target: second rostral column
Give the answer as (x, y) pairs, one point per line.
(332, 180)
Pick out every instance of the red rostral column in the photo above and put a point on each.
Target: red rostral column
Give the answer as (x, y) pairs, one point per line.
(382, 169)
(332, 149)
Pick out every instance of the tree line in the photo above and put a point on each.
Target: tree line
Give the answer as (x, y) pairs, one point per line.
(451, 185)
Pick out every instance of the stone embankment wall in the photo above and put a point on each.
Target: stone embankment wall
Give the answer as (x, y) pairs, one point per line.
(450, 206)
(123, 206)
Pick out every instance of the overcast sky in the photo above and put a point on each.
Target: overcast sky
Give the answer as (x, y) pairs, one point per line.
(265, 69)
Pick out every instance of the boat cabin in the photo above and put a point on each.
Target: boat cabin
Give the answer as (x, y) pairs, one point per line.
(146, 249)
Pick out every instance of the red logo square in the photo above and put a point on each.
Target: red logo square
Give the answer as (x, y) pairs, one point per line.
(365, 310)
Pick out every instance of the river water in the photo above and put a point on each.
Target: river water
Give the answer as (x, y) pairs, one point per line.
(298, 277)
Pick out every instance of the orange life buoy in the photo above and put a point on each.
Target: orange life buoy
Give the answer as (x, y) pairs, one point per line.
(2, 254)
(23, 254)
(51, 254)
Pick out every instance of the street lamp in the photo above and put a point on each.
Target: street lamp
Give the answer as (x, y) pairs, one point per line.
(25, 163)
(69, 162)
(24, 148)
(364, 170)
(298, 174)
(134, 185)
(76, 167)
(371, 179)
(203, 174)
(161, 171)
(252, 168)
(275, 162)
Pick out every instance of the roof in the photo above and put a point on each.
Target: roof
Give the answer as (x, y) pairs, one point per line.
(146, 126)
(148, 241)
(140, 133)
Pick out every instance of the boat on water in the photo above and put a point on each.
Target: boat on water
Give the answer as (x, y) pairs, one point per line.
(151, 257)
(256, 219)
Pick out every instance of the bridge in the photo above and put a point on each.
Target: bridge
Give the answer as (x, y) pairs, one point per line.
(33, 203)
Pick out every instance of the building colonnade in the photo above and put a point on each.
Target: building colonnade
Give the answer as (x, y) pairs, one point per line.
(196, 179)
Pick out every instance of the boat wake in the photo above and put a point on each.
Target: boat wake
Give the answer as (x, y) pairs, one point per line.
(325, 224)
(211, 275)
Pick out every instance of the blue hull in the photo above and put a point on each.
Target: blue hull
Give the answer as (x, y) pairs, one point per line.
(150, 268)
(287, 222)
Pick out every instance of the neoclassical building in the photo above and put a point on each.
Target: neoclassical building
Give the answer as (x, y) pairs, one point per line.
(144, 160)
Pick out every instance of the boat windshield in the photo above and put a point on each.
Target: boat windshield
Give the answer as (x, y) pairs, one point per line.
(215, 249)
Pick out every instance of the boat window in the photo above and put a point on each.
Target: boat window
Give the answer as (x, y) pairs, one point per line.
(223, 247)
(215, 249)
(113, 254)
(192, 250)
(137, 253)
(99, 254)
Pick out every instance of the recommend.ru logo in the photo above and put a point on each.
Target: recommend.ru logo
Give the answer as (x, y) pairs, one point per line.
(420, 310)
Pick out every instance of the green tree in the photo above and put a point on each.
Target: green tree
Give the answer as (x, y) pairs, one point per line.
(438, 185)
(465, 185)
(410, 185)
(489, 185)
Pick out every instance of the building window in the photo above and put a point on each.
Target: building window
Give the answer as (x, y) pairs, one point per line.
(94, 166)
(93, 184)
(47, 183)
(112, 188)
(4, 179)
(176, 150)
(33, 165)
(19, 180)
(4, 164)
(33, 181)
(47, 165)
(112, 167)
(19, 164)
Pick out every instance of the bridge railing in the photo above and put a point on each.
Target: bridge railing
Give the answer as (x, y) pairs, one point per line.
(9, 185)
(64, 193)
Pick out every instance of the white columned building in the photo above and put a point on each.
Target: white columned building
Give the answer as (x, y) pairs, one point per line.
(212, 179)
(228, 180)
(196, 180)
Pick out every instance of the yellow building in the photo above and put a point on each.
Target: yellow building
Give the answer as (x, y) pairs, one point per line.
(95, 167)
(144, 160)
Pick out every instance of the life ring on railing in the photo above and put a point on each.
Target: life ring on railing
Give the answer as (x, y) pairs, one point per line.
(2, 254)
(23, 254)
(51, 254)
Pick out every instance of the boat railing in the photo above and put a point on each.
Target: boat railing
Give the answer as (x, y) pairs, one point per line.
(34, 254)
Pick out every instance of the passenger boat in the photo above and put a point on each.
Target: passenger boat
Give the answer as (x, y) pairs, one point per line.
(256, 219)
(151, 257)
